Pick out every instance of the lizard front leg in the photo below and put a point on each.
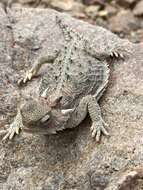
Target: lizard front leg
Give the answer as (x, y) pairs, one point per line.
(14, 127)
(35, 69)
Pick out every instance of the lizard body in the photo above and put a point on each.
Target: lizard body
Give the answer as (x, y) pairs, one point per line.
(70, 90)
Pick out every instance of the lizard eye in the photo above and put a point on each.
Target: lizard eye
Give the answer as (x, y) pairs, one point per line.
(45, 118)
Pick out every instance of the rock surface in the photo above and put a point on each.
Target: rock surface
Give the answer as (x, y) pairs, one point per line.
(138, 10)
(126, 3)
(124, 22)
(70, 160)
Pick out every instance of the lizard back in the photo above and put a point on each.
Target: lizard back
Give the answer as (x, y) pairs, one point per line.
(74, 73)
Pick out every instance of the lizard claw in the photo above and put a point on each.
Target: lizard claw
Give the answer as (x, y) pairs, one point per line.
(27, 77)
(117, 54)
(97, 129)
(11, 131)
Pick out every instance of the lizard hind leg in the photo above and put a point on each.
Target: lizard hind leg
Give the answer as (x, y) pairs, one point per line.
(98, 124)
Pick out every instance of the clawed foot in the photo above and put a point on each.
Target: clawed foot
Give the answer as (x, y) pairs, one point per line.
(11, 131)
(29, 75)
(117, 54)
(97, 129)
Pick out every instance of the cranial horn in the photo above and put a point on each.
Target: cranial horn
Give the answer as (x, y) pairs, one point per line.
(45, 118)
(66, 111)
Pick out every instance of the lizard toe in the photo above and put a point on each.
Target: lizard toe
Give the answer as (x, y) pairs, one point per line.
(97, 129)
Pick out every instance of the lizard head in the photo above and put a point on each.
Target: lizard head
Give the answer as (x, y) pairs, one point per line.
(39, 117)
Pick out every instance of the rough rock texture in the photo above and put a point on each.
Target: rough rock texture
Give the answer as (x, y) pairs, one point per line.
(70, 160)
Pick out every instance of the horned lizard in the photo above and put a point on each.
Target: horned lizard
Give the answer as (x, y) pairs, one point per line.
(70, 90)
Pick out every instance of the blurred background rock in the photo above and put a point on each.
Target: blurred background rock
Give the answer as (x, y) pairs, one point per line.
(123, 17)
